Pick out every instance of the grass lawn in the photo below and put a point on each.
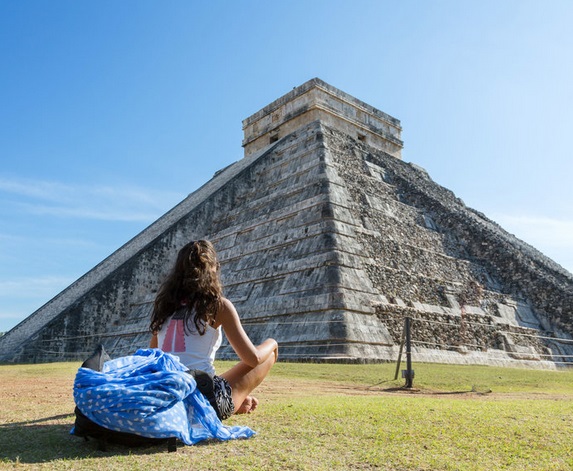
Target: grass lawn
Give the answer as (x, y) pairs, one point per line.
(323, 417)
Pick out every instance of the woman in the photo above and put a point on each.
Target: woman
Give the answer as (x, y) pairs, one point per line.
(188, 315)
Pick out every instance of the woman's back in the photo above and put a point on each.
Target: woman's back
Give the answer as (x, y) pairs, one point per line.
(195, 351)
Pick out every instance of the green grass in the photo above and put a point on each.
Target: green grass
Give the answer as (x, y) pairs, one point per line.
(431, 376)
(324, 417)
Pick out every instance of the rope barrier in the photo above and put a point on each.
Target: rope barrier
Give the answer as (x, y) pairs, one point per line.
(302, 324)
(283, 346)
(460, 324)
(448, 347)
(494, 326)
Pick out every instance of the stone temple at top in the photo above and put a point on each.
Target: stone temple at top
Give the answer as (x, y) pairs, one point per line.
(327, 241)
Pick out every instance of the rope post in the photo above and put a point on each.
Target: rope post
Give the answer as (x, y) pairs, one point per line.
(402, 340)
(408, 373)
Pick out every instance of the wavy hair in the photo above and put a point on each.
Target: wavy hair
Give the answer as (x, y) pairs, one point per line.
(193, 288)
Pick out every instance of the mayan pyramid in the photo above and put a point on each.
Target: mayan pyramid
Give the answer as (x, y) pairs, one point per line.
(327, 241)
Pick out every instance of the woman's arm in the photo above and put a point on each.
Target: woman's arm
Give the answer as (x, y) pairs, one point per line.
(239, 340)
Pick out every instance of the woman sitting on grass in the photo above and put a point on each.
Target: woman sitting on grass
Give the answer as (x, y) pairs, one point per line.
(188, 315)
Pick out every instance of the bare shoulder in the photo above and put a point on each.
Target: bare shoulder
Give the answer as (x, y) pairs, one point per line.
(226, 313)
(227, 306)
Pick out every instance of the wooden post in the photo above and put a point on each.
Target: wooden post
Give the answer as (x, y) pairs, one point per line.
(400, 352)
(408, 374)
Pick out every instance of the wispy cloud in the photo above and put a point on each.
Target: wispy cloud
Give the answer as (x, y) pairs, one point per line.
(551, 236)
(105, 211)
(22, 296)
(39, 287)
(101, 202)
(543, 230)
(13, 243)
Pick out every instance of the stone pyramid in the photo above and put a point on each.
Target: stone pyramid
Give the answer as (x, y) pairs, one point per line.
(327, 241)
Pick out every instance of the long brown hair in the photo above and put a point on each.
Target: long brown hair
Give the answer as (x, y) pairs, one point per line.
(193, 288)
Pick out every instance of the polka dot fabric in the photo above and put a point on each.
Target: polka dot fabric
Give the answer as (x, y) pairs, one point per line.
(150, 394)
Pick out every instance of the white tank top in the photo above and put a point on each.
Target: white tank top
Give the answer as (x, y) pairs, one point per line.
(196, 352)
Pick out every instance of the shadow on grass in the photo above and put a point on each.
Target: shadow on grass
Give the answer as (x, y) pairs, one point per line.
(437, 393)
(36, 421)
(39, 441)
(416, 390)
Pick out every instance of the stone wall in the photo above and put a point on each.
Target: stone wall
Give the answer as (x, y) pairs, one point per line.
(316, 100)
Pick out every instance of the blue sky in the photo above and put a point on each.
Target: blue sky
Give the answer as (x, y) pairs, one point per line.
(111, 112)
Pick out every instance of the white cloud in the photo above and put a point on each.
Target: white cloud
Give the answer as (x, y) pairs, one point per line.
(22, 296)
(37, 287)
(541, 230)
(553, 237)
(121, 211)
(100, 202)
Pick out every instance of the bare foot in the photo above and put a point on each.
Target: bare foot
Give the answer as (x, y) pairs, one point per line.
(249, 405)
(254, 404)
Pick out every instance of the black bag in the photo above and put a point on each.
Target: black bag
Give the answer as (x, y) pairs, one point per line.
(86, 428)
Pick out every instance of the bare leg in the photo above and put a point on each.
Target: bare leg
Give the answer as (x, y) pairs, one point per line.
(243, 379)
